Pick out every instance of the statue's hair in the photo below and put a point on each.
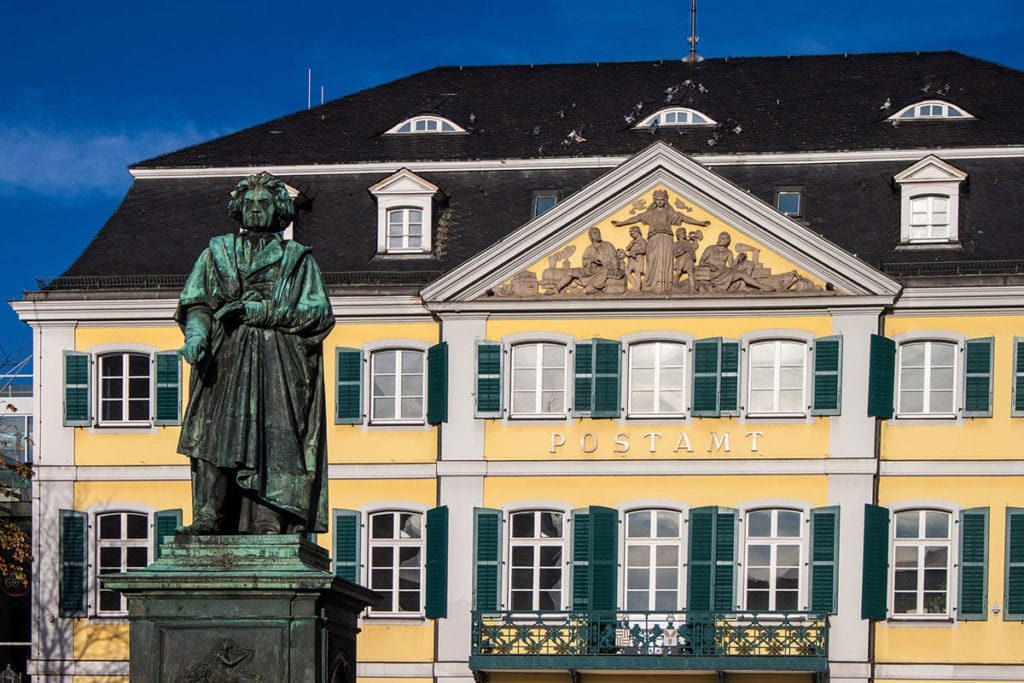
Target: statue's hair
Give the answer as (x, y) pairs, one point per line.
(285, 207)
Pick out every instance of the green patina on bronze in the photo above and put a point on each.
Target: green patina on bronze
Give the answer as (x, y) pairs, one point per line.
(255, 313)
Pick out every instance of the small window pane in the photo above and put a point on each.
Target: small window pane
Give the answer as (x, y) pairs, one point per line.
(759, 523)
(788, 203)
(639, 524)
(522, 525)
(543, 203)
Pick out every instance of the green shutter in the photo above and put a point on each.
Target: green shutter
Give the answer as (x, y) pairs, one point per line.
(165, 523)
(583, 378)
(700, 574)
(725, 560)
(874, 583)
(76, 389)
(824, 558)
(1013, 600)
(488, 379)
(828, 371)
(707, 359)
(73, 563)
(1017, 407)
(168, 388)
(881, 377)
(729, 389)
(581, 559)
(349, 410)
(973, 593)
(603, 556)
(347, 537)
(487, 559)
(437, 383)
(437, 563)
(978, 377)
(607, 373)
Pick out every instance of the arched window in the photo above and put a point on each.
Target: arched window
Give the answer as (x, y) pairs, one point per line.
(676, 116)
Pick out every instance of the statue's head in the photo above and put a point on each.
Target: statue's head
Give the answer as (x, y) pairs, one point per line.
(660, 197)
(261, 203)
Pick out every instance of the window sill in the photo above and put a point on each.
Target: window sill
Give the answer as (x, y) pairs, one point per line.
(394, 619)
(920, 621)
(922, 246)
(403, 255)
(123, 428)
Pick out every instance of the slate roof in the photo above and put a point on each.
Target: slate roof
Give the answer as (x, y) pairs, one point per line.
(765, 105)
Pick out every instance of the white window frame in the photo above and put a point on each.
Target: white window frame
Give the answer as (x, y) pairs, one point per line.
(398, 397)
(934, 205)
(797, 192)
(537, 542)
(931, 110)
(96, 399)
(677, 116)
(368, 351)
(935, 337)
(783, 336)
(509, 345)
(425, 124)
(406, 223)
(931, 177)
(126, 398)
(774, 541)
(93, 585)
(652, 542)
(370, 543)
(404, 190)
(639, 339)
(952, 577)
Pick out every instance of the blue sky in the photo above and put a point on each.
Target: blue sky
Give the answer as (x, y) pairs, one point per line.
(92, 87)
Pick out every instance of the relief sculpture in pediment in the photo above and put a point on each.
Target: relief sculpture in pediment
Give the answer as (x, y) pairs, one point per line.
(662, 263)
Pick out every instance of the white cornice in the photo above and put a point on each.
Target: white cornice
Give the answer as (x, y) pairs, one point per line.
(568, 163)
(951, 468)
(964, 300)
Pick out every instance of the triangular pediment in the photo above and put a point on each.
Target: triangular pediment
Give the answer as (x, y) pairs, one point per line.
(666, 227)
(403, 182)
(928, 170)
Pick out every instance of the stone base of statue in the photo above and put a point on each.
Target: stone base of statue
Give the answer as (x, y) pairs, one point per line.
(241, 608)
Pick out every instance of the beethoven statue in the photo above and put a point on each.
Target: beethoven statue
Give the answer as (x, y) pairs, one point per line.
(255, 313)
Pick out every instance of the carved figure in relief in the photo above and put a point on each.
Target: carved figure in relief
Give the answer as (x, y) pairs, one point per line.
(721, 265)
(602, 268)
(684, 253)
(223, 664)
(636, 257)
(659, 219)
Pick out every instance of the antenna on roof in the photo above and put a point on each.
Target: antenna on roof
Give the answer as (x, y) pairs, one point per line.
(309, 88)
(693, 39)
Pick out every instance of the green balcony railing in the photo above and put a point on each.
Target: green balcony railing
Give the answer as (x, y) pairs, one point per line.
(595, 640)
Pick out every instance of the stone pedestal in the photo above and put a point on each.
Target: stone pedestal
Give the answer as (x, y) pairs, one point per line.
(242, 608)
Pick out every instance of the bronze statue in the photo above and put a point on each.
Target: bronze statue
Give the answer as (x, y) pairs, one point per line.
(255, 313)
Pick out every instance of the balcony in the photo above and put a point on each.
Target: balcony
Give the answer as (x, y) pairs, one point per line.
(650, 641)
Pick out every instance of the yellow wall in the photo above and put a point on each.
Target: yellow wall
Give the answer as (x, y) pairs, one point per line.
(162, 495)
(100, 641)
(100, 679)
(413, 642)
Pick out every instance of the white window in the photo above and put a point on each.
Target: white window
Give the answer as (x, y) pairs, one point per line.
(405, 206)
(930, 202)
(776, 378)
(926, 379)
(922, 548)
(931, 109)
(654, 560)
(122, 544)
(396, 560)
(405, 230)
(396, 386)
(124, 388)
(538, 380)
(789, 202)
(676, 116)
(929, 218)
(16, 437)
(657, 379)
(536, 559)
(426, 124)
(773, 560)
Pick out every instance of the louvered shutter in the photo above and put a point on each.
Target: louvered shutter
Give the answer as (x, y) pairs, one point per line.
(168, 388)
(707, 357)
(973, 569)
(437, 383)
(725, 560)
(729, 383)
(349, 409)
(77, 401)
(978, 377)
(606, 372)
(874, 583)
(73, 563)
(1013, 600)
(701, 567)
(347, 537)
(881, 377)
(828, 367)
(487, 559)
(824, 558)
(488, 379)
(581, 559)
(1017, 408)
(583, 378)
(165, 523)
(603, 557)
(437, 563)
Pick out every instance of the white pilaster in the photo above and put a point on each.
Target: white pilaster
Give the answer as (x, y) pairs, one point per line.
(462, 437)
(852, 433)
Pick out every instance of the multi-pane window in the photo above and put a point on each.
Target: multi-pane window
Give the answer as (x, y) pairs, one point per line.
(657, 378)
(676, 116)
(16, 437)
(538, 379)
(777, 376)
(929, 218)
(536, 558)
(396, 560)
(773, 560)
(427, 124)
(405, 229)
(653, 560)
(122, 544)
(927, 372)
(931, 110)
(397, 386)
(921, 567)
(124, 387)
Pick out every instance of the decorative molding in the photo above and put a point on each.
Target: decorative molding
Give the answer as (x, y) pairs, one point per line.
(952, 468)
(950, 672)
(961, 301)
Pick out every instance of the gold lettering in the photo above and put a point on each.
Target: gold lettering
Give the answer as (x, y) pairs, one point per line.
(753, 440)
(653, 436)
(583, 442)
(622, 440)
(557, 441)
(683, 444)
(719, 442)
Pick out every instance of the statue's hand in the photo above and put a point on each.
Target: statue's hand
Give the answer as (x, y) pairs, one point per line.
(195, 349)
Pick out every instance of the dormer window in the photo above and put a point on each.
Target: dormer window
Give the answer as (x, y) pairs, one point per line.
(426, 124)
(676, 116)
(931, 110)
(930, 202)
(405, 203)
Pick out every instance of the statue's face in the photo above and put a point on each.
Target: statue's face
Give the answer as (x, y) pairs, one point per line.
(660, 198)
(259, 210)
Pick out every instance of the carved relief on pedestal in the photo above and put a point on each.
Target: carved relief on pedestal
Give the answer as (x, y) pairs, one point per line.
(664, 261)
